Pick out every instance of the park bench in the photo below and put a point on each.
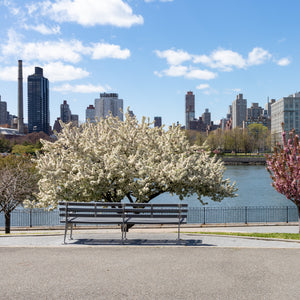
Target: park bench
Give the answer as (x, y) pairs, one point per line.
(119, 213)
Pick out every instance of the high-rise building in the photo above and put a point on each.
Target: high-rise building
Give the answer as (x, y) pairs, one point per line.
(157, 121)
(206, 117)
(109, 102)
(268, 107)
(38, 102)
(75, 120)
(287, 111)
(189, 108)
(239, 111)
(229, 114)
(254, 112)
(90, 114)
(65, 112)
(3, 112)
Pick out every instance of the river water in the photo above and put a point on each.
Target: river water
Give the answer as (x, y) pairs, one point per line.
(254, 189)
(257, 201)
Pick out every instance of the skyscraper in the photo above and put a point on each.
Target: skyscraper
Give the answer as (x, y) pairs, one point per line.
(157, 121)
(38, 102)
(90, 114)
(189, 109)
(109, 102)
(65, 112)
(239, 111)
(206, 117)
(3, 112)
(286, 110)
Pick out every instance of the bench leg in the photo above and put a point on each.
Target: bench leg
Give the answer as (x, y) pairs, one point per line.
(66, 230)
(178, 237)
(122, 231)
(71, 233)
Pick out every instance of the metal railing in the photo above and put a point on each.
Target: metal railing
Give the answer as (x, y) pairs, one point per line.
(199, 215)
(245, 214)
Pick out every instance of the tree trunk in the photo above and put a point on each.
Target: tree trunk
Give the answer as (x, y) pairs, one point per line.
(7, 222)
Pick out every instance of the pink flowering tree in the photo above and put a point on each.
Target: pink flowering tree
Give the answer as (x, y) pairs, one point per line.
(284, 168)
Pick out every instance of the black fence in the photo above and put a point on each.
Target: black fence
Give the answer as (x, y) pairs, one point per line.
(245, 215)
(196, 215)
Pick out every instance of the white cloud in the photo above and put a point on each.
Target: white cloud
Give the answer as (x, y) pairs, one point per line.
(57, 71)
(283, 62)
(258, 56)
(221, 59)
(13, 9)
(102, 50)
(174, 57)
(90, 12)
(82, 88)
(202, 59)
(226, 59)
(189, 73)
(8, 73)
(202, 86)
(43, 29)
(173, 71)
(200, 74)
(68, 51)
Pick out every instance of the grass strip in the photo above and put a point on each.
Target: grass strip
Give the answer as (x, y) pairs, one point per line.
(276, 235)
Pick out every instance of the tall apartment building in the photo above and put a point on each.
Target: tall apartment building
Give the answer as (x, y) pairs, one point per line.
(109, 102)
(189, 109)
(65, 112)
(157, 121)
(254, 112)
(239, 111)
(38, 102)
(229, 114)
(3, 112)
(268, 107)
(287, 111)
(90, 114)
(206, 117)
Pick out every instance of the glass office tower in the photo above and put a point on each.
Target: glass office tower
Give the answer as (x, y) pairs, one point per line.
(38, 102)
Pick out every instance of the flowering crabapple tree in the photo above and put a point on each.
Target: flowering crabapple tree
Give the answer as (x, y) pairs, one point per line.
(111, 160)
(284, 168)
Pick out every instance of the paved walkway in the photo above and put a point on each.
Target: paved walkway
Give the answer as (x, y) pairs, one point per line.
(35, 265)
(150, 237)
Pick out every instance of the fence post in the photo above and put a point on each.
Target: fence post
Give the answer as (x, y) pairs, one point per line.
(204, 219)
(287, 214)
(246, 215)
(30, 218)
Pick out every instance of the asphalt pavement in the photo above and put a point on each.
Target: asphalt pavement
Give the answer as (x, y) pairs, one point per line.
(149, 265)
(144, 236)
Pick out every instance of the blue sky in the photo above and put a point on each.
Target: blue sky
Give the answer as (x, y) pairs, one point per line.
(151, 52)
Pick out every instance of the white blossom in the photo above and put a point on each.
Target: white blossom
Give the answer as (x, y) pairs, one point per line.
(111, 159)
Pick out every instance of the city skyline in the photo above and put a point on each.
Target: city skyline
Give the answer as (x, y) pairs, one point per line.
(151, 53)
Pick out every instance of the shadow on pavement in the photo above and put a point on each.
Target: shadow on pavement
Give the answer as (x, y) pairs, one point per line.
(137, 242)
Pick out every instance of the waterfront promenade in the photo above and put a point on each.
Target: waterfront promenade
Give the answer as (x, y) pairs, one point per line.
(35, 265)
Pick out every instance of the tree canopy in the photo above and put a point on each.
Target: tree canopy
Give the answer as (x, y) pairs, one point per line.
(18, 183)
(111, 160)
(284, 168)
